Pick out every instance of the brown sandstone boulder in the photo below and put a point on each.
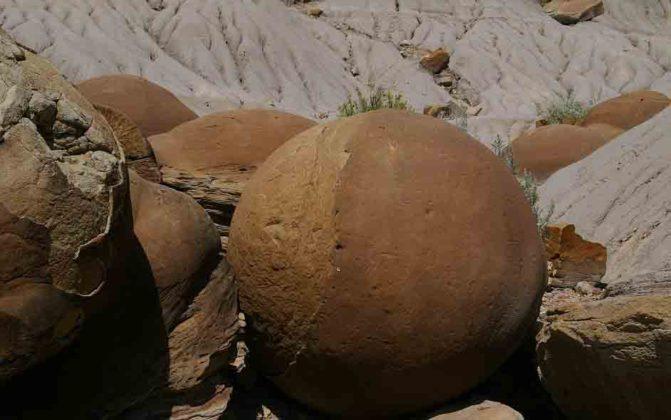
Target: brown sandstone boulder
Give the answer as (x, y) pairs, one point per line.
(179, 240)
(572, 259)
(212, 158)
(154, 109)
(435, 61)
(63, 212)
(547, 149)
(387, 262)
(609, 359)
(627, 111)
(573, 11)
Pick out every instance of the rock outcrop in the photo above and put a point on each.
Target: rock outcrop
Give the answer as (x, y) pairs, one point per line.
(345, 246)
(63, 210)
(609, 359)
(213, 157)
(179, 240)
(572, 259)
(151, 107)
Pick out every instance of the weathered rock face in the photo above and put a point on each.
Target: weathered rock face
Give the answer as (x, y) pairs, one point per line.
(179, 240)
(571, 258)
(345, 245)
(62, 209)
(627, 111)
(154, 109)
(545, 150)
(212, 158)
(574, 11)
(609, 359)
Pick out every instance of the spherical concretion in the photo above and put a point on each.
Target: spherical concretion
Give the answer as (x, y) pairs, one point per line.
(627, 111)
(154, 109)
(62, 213)
(547, 149)
(241, 138)
(387, 262)
(179, 239)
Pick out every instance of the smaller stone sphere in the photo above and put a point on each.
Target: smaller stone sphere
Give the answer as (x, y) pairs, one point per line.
(628, 110)
(387, 263)
(153, 108)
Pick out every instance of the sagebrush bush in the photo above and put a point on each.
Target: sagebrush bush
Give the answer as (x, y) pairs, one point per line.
(377, 99)
(565, 110)
(527, 183)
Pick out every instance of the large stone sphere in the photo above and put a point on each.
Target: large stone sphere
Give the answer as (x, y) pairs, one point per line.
(387, 262)
(154, 109)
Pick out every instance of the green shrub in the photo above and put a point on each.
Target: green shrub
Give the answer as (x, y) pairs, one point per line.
(377, 99)
(527, 183)
(566, 110)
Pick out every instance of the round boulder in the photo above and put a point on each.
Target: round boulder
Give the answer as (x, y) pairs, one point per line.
(179, 239)
(547, 149)
(154, 109)
(242, 138)
(64, 216)
(627, 111)
(387, 263)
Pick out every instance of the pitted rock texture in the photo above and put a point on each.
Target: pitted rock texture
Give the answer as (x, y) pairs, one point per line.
(510, 57)
(63, 211)
(212, 158)
(152, 108)
(618, 196)
(179, 240)
(373, 251)
(609, 359)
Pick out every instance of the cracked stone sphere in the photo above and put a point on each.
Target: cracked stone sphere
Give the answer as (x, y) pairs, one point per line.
(63, 209)
(387, 262)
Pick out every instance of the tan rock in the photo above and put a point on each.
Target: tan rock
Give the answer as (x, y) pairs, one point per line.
(179, 240)
(349, 248)
(572, 259)
(574, 11)
(154, 109)
(545, 150)
(627, 111)
(609, 359)
(485, 410)
(435, 61)
(212, 158)
(63, 212)
(315, 11)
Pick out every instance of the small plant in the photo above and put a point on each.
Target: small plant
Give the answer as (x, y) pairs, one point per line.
(377, 99)
(527, 183)
(566, 110)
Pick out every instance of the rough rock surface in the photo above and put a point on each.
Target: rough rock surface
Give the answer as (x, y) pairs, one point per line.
(212, 158)
(154, 109)
(63, 209)
(618, 196)
(609, 359)
(572, 259)
(179, 240)
(574, 11)
(510, 57)
(485, 410)
(348, 262)
(546, 149)
(627, 111)
(129, 136)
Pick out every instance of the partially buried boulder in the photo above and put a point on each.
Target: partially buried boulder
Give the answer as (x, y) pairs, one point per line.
(627, 111)
(180, 241)
(154, 109)
(547, 149)
(387, 262)
(212, 158)
(63, 212)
